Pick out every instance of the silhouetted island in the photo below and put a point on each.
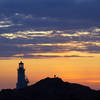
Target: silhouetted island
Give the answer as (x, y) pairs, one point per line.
(51, 89)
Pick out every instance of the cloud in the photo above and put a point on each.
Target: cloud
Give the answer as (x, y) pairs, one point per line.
(8, 50)
(49, 26)
(32, 41)
(75, 56)
(38, 56)
(48, 56)
(56, 13)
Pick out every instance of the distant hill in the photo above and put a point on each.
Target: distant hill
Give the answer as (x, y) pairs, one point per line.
(51, 89)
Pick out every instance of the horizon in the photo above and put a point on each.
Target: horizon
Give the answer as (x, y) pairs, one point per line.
(36, 72)
(59, 37)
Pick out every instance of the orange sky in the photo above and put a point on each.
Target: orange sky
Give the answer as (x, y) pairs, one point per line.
(84, 70)
(51, 40)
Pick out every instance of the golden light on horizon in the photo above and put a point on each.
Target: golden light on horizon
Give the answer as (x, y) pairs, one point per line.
(83, 70)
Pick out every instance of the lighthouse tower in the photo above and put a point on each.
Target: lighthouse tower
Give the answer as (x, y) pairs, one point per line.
(21, 81)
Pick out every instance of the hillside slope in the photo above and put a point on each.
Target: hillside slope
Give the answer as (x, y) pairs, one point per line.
(51, 89)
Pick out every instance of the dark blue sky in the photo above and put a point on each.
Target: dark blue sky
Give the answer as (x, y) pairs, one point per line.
(68, 13)
(61, 21)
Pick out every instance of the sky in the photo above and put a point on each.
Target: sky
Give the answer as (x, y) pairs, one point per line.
(53, 37)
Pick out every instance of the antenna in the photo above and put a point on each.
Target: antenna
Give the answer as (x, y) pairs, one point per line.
(27, 80)
(55, 76)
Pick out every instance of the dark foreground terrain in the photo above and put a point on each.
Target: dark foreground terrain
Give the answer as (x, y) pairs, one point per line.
(51, 89)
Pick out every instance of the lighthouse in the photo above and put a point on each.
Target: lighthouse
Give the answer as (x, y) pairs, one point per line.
(22, 82)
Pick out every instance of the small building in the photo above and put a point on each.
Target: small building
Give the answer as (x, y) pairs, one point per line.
(22, 82)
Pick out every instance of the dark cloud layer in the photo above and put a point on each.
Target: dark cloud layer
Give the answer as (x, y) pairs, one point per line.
(68, 13)
(49, 26)
(51, 56)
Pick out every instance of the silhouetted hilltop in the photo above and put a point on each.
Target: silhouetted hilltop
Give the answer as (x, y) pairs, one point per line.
(51, 89)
